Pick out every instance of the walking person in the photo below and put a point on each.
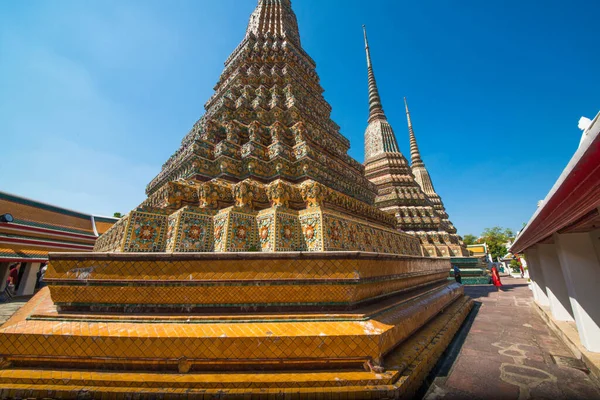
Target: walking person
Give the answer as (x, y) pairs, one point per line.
(11, 282)
(457, 275)
(521, 269)
(40, 276)
(496, 277)
(14, 275)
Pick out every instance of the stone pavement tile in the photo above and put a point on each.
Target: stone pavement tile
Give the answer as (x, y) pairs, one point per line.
(520, 335)
(547, 390)
(485, 298)
(486, 325)
(582, 389)
(480, 343)
(507, 354)
(520, 350)
(563, 374)
(8, 309)
(553, 345)
(509, 303)
(447, 393)
(485, 330)
(481, 380)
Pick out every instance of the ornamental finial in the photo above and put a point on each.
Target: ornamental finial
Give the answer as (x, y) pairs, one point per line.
(367, 46)
(375, 107)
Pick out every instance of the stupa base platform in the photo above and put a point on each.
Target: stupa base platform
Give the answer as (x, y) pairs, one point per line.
(472, 269)
(343, 323)
(473, 280)
(409, 363)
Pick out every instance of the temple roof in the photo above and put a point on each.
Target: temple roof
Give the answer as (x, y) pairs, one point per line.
(573, 203)
(39, 228)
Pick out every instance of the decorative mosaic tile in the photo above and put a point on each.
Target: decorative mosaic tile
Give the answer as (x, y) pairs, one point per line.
(113, 240)
(191, 230)
(289, 233)
(406, 366)
(220, 343)
(249, 266)
(146, 232)
(235, 294)
(242, 232)
(172, 225)
(266, 229)
(220, 231)
(312, 228)
(217, 280)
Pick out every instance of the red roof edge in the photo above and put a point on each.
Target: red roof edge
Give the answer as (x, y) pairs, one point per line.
(575, 194)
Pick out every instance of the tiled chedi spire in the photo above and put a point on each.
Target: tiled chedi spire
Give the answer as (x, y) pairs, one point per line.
(386, 166)
(424, 180)
(379, 137)
(266, 143)
(420, 172)
(399, 193)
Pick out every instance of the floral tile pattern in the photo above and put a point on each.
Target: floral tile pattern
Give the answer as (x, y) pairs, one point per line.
(192, 230)
(242, 232)
(289, 232)
(146, 232)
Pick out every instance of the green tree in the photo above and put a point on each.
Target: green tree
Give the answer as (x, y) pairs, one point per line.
(117, 215)
(470, 239)
(514, 265)
(496, 239)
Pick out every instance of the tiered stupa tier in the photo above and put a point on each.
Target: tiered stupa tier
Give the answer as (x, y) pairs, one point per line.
(204, 291)
(399, 189)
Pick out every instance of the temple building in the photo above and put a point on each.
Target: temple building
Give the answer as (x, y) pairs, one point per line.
(403, 190)
(561, 243)
(30, 229)
(260, 263)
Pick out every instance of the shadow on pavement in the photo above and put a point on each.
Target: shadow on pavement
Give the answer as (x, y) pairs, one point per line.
(447, 359)
(478, 291)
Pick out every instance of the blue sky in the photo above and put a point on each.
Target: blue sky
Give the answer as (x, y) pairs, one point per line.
(96, 95)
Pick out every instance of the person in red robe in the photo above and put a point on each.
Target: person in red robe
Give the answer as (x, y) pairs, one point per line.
(496, 277)
(13, 276)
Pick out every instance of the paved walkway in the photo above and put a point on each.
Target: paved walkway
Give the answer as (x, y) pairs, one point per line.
(506, 351)
(9, 308)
